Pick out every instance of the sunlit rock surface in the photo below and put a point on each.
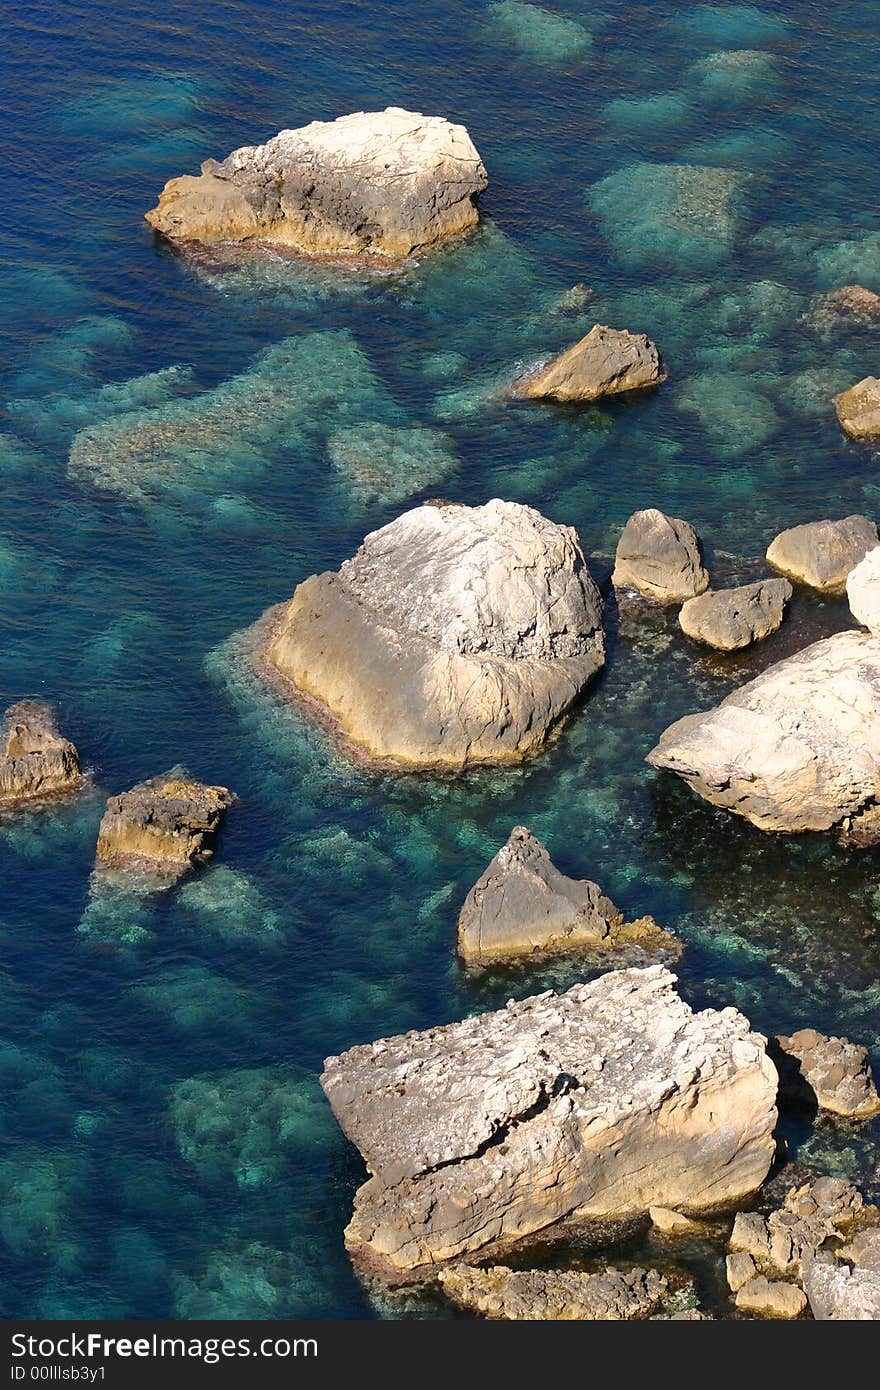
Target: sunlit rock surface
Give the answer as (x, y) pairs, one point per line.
(390, 183)
(599, 1102)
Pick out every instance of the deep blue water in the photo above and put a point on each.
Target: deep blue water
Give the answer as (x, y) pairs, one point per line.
(165, 1148)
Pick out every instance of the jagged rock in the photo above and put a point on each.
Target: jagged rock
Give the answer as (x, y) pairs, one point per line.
(771, 1298)
(839, 1293)
(863, 591)
(455, 635)
(797, 748)
(822, 553)
(850, 305)
(831, 1073)
(168, 823)
(522, 903)
(555, 1294)
(673, 1223)
(729, 619)
(597, 1103)
(607, 362)
(659, 556)
(34, 759)
(390, 183)
(858, 409)
(691, 1315)
(740, 1269)
(812, 1214)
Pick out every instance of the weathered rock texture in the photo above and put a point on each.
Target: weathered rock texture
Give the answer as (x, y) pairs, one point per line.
(851, 305)
(607, 362)
(555, 1294)
(455, 635)
(659, 556)
(863, 591)
(391, 183)
(822, 553)
(168, 823)
(729, 619)
(522, 903)
(34, 759)
(771, 1298)
(597, 1103)
(840, 1292)
(858, 409)
(798, 748)
(820, 1211)
(830, 1073)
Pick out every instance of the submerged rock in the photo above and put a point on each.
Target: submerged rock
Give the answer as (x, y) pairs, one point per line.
(35, 760)
(858, 409)
(455, 635)
(831, 1073)
(670, 214)
(729, 619)
(659, 556)
(384, 464)
(168, 823)
(607, 362)
(522, 904)
(863, 591)
(539, 34)
(390, 183)
(822, 553)
(797, 748)
(596, 1103)
(613, 1295)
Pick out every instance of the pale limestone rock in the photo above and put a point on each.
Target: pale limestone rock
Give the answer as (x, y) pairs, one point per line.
(831, 1073)
(35, 760)
(858, 409)
(673, 1223)
(659, 556)
(838, 1293)
(456, 635)
(729, 619)
(771, 1298)
(614, 1295)
(607, 362)
(797, 748)
(822, 553)
(389, 183)
(863, 591)
(740, 1269)
(598, 1103)
(522, 904)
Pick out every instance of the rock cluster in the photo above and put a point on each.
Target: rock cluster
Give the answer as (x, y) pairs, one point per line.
(729, 619)
(822, 553)
(858, 409)
(390, 183)
(659, 556)
(607, 362)
(522, 904)
(832, 1074)
(798, 748)
(455, 635)
(35, 760)
(555, 1294)
(167, 824)
(772, 1258)
(597, 1103)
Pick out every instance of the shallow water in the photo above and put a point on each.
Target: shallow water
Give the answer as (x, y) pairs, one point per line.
(166, 1150)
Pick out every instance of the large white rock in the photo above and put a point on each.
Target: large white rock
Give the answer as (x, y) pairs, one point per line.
(455, 635)
(798, 748)
(598, 1103)
(863, 591)
(391, 183)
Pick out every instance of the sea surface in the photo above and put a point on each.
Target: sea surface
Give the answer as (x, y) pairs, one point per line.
(183, 442)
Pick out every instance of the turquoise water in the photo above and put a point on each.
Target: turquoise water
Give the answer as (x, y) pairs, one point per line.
(166, 1149)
